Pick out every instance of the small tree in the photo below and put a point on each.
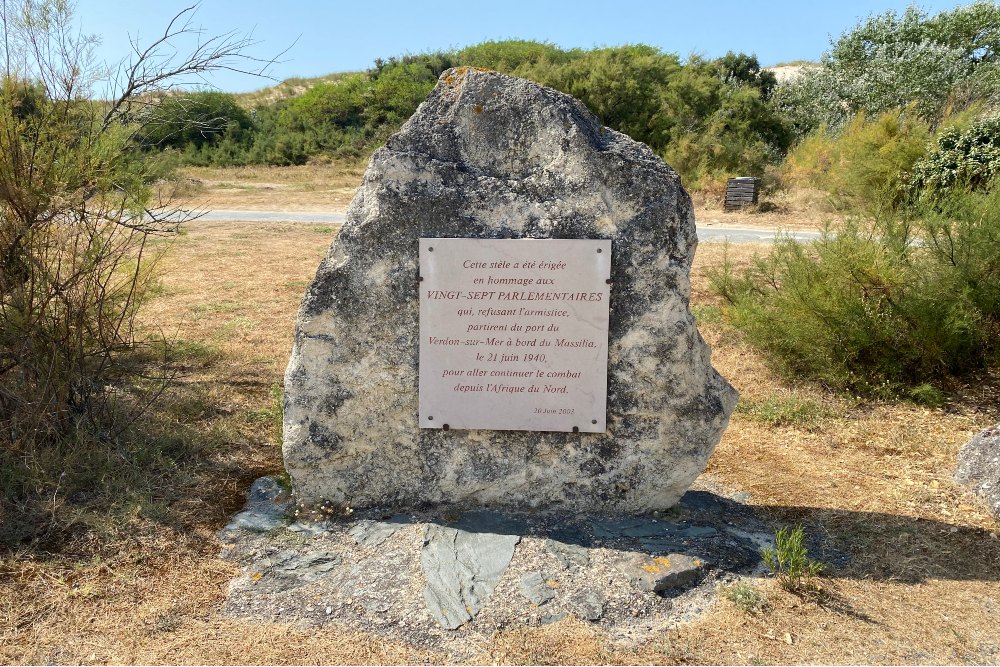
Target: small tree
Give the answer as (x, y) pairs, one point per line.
(77, 213)
(934, 63)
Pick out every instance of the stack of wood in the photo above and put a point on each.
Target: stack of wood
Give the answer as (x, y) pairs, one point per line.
(741, 192)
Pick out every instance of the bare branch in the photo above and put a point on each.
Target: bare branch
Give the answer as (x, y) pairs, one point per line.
(157, 68)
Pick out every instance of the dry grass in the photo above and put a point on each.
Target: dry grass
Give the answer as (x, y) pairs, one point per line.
(922, 584)
(313, 187)
(330, 187)
(801, 208)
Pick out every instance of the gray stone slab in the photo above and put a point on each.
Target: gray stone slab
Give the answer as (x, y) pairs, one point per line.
(534, 587)
(374, 533)
(269, 507)
(291, 568)
(308, 528)
(656, 574)
(587, 604)
(462, 569)
(570, 555)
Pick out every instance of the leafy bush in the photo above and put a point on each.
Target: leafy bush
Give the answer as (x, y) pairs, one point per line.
(77, 221)
(513, 55)
(789, 560)
(72, 269)
(197, 119)
(910, 299)
(867, 165)
(710, 118)
(967, 158)
(891, 60)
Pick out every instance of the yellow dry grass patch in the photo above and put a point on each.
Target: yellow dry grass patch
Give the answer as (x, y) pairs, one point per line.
(330, 187)
(313, 187)
(922, 584)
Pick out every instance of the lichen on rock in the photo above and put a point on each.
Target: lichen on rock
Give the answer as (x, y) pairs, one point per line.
(492, 156)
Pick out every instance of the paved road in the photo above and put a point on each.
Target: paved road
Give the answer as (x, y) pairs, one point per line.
(705, 233)
(751, 234)
(273, 216)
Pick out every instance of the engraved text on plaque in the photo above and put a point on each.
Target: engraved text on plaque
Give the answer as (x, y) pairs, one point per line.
(514, 334)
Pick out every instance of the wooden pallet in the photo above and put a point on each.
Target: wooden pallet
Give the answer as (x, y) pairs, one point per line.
(741, 192)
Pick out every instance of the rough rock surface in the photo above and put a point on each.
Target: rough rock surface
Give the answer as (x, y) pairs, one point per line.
(463, 564)
(269, 506)
(492, 156)
(662, 572)
(374, 533)
(979, 466)
(536, 588)
(502, 565)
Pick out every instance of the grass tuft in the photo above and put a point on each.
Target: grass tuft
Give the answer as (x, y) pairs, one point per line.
(746, 598)
(792, 411)
(789, 561)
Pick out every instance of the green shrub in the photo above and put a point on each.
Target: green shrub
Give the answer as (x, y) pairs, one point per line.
(198, 119)
(746, 597)
(709, 118)
(890, 60)
(867, 165)
(80, 232)
(789, 560)
(968, 158)
(912, 298)
(512, 56)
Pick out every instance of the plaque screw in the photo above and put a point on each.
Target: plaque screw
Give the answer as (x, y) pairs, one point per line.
(609, 281)
(430, 419)
(576, 429)
(593, 421)
(599, 249)
(445, 427)
(430, 249)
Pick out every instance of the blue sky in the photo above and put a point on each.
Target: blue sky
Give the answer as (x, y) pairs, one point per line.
(337, 36)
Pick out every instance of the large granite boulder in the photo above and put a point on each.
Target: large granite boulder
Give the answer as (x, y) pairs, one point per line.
(493, 156)
(979, 466)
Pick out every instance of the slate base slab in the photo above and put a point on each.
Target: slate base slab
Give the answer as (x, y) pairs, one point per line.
(421, 577)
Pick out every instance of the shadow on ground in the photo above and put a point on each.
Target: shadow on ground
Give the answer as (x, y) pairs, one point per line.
(889, 546)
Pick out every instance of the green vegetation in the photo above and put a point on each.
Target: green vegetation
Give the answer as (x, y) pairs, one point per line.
(708, 118)
(880, 306)
(79, 232)
(967, 159)
(746, 597)
(899, 125)
(890, 61)
(789, 560)
(792, 411)
(867, 166)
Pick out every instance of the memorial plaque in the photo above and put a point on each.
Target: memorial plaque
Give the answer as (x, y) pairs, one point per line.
(514, 334)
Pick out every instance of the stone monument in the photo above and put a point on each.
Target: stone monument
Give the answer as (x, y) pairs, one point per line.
(422, 379)
(979, 467)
